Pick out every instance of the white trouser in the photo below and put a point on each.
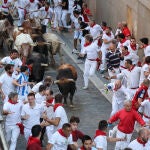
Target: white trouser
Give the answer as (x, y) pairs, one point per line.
(21, 16)
(121, 145)
(49, 131)
(116, 106)
(131, 92)
(64, 18)
(103, 64)
(12, 133)
(57, 18)
(117, 71)
(27, 133)
(82, 43)
(89, 70)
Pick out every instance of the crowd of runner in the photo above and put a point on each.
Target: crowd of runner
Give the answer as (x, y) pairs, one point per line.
(37, 111)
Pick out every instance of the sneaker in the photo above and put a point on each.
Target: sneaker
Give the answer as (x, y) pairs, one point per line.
(75, 51)
(85, 88)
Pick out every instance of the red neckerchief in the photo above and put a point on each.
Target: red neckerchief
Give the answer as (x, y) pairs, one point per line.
(141, 142)
(99, 132)
(122, 41)
(130, 69)
(104, 28)
(21, 126)
(133, 47)
(109, 34)
(62, 133)
(82, 148)
(31, 1)
(127, 53)
(50, 101)
(10, 101)
(56, 106)
(46, 8)
(5, 1)
(93, 25)
(87, 44)
(33, 140)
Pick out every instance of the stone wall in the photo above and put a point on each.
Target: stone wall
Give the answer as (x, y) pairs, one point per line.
(135, 12)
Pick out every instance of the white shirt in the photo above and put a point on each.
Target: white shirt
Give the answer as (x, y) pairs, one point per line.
(56, 4)
(91, 51)
(15, 117)
(95, 30)
(39, 98)
(60, 113)
(121, 94)
(60, 142)
(135, 145)
(35, 88)
(7, 60)
(145, 68)
(133, 51)
(108, 38)
(33, 6)
(147, 51)
(34, 115)
(132, 77)
(130, 56)
(5, 6)
(146, 107)
(76, 23)
(21, 3)
(7, 85)
(101, 142)
(126, 43)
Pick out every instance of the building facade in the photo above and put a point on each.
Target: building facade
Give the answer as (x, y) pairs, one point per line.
(135, 12)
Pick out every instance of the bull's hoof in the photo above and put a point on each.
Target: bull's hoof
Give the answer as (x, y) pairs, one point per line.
(71, 106)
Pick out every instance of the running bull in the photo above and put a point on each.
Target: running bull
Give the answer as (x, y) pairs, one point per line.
(66, 81)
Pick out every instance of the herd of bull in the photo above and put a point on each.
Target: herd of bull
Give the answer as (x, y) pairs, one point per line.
(34, 46)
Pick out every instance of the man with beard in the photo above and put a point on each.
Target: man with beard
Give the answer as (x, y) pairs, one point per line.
(6, 85)
(141, 143)
(47, 82)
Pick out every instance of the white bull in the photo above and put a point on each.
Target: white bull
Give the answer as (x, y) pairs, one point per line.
(55, 46)
(24, 43)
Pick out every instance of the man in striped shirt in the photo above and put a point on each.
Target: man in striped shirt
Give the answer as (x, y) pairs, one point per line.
(113, 58)
(22, 83)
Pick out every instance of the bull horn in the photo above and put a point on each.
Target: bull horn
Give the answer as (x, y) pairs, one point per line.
(57, 81)
(71, 80)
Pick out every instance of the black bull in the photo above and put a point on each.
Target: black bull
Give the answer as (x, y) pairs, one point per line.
(66, 82)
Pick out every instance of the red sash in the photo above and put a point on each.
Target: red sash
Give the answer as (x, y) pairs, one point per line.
(21, 126)
(5, 6)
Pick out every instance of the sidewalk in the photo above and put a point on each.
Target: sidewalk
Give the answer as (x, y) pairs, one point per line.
(97, 79)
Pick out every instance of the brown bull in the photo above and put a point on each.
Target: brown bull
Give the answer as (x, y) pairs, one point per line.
(66, 81)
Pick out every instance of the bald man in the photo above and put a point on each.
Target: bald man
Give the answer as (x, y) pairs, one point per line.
(127, 117)
(141, 142)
